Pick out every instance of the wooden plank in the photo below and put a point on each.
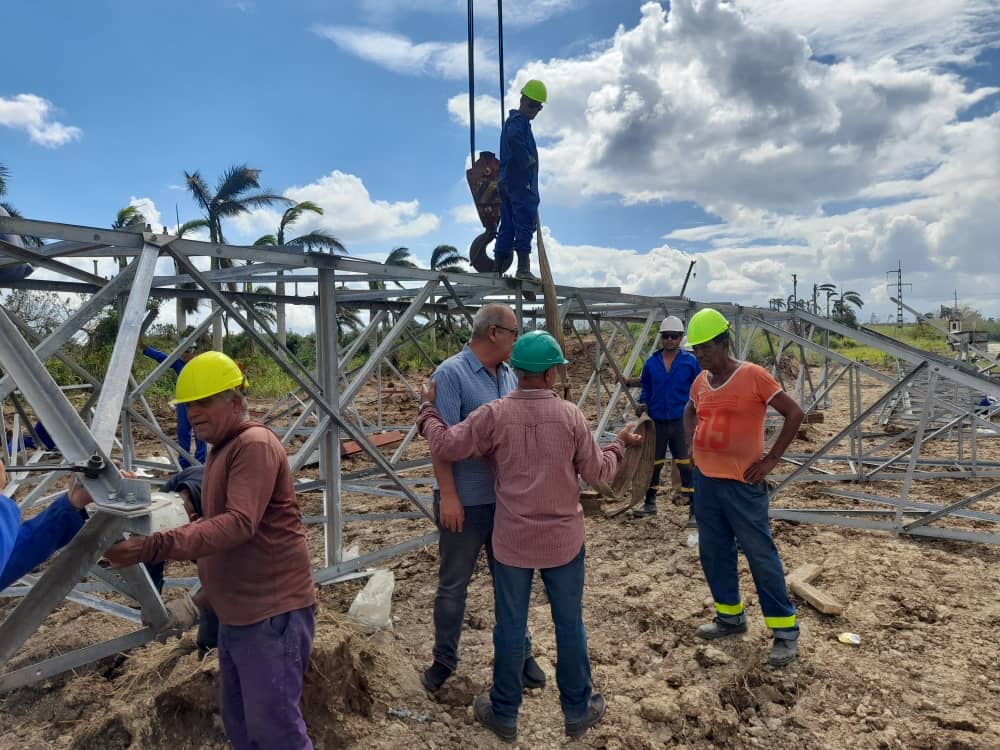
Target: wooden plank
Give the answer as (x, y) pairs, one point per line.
(818, 599)
(350, 448)
(799, 584)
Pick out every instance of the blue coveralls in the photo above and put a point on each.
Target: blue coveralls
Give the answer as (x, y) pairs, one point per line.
(25, 546)
(518, 182)
(183, 425)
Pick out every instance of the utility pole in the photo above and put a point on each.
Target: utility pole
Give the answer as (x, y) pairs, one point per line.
(795, 289)
(899, 291)
(687, 277)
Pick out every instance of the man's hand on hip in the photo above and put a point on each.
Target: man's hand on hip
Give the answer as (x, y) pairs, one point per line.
(451, 515)
(759, 470)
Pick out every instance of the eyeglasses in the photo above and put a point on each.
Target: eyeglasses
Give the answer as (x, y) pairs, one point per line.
(511, 331)
(532, 104)
(670, 335)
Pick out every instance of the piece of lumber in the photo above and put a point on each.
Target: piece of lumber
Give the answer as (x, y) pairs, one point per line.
(350, 448)
(799, 584)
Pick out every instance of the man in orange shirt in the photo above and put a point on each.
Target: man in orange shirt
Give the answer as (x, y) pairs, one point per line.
(724, 424)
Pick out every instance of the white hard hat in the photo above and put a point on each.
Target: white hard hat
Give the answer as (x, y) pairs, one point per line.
(672, 324)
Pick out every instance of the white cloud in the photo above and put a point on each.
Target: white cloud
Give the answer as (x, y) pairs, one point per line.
(515, 12)
(33, 114)
(487, 110)
(465, 214)
(149, 210)
(402, 55)
(350, 214)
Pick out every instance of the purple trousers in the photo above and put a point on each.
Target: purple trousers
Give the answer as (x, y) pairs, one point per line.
(262, 667)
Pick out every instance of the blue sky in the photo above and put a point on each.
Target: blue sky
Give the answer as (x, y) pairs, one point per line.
(763, 137)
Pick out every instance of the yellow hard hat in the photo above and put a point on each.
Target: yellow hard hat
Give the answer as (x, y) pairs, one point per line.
(705, 325)
(535, 90)
(206, 375)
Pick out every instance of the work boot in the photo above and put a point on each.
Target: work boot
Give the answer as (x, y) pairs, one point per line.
(533, 676)
(783, 652)
(648, 509)
(482, 707)
(719, 629)
(595, 712)
(434, 676)
(524, 269)
(692, 523)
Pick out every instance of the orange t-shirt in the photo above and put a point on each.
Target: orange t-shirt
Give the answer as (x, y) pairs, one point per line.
(729, 436)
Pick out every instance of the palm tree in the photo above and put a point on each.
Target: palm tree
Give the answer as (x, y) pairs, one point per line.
(817, 288)
(187, 305)
(842, 311)
(776, 303)
(447, 259)
(234, 195)
(127, 218)
(310, 241)
(262, 308)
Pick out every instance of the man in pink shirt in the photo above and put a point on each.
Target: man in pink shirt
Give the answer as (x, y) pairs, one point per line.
(537, 444)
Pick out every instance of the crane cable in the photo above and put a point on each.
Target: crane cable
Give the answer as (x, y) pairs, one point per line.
(472, 74)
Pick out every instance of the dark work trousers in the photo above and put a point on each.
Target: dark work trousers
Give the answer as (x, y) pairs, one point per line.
(459, 552)
(262, 667)
(728, 512)
(518, 217)
(670, 434)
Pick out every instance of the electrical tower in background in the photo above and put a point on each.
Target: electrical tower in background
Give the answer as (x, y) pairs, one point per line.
(899, 291)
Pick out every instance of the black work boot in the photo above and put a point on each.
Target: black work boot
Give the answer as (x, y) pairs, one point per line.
(595, 712)
(434, 676)
(524, 269)
(532, 676)
(720, 629)
(482, 707)
(783, 652)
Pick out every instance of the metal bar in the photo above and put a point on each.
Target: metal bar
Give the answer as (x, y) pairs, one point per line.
(951, 508)
(64, 662)
(347, 566)
(328, 365)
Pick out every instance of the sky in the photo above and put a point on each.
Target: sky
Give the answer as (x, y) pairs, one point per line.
(763, 139)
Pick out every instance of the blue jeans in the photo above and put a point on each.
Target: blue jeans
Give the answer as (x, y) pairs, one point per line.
(512, 590)
(262, 667)
(459, 553)
(728, 511)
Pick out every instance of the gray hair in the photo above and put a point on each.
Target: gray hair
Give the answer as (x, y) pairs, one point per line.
(241, 395)
(486, 316)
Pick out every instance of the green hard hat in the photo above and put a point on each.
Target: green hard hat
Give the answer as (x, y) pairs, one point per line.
(535, 90)
(536, 351)
(705, 325)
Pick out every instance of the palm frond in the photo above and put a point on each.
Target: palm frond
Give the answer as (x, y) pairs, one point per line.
(294, 213)
(236, 180)
(190, 226)
(400, 256)
(262, 200)
(267, 239)
(130, 216)
(319, 241)
(4, 174)
(199, 189)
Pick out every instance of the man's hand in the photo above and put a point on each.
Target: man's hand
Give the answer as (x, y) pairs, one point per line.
(79, 496)
(628, 437)
(759, 470)
(450, 513)
(428, 392)
(126, 553)
(640, 409)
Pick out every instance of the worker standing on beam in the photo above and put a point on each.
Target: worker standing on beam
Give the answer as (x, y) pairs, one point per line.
(666, 382)
(538, 444)
(253, 561)
(724, 423)
(518, 183)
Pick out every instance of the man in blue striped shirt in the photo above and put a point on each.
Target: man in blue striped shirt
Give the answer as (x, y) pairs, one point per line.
(465, 498)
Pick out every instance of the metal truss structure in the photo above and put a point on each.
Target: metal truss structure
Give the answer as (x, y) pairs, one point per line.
(927, 422)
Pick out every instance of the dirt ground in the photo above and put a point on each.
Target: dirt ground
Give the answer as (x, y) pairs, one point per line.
(924, 676)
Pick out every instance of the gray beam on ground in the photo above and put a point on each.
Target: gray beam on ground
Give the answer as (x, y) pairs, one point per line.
(93, 602)
(950, 509)
(327, 575)
(893, 502)
(64, 662)
(861, 523)
(108, 413)
(847, 430)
